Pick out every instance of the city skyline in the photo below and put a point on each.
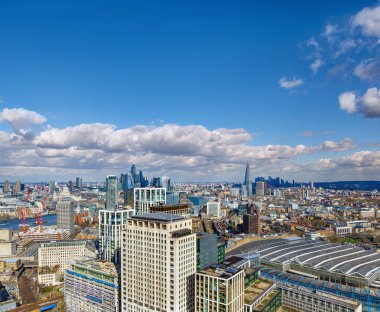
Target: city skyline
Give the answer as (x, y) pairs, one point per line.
(190, 90)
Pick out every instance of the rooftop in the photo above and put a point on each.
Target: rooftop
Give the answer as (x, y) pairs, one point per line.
(255, 290)
(226, 269)
(158, 216)
(94, 264)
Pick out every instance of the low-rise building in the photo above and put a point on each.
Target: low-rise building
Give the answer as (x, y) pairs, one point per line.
(220, 287)
(308, 301)
(49, 276)
(61, 252)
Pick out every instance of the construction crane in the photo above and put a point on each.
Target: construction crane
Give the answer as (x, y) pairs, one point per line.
(22, 213)
(39, 216)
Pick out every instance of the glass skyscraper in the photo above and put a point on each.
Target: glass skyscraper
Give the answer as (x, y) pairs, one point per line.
(112, 192)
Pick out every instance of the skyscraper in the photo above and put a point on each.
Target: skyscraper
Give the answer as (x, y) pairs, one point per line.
(112, 192)
(260, 188)
(17, 186)
(166, 183)
(158, 264)
(78, 183)
(111, 223)
(6, 188)
(127, 185)
(248, 179)
(65, 214)
(145, 197)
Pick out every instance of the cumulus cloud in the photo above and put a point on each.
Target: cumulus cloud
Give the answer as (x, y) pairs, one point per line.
(348, 102)
(190, 152)
(339, 146)
(368, 20)
(288, 83)
(20, 118)
(371, 103)
(368, 104)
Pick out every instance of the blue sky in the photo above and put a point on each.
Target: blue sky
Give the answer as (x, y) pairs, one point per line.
(181, 71)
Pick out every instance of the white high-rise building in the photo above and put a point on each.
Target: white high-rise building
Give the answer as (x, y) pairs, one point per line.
(145, 197)
(112, 192)
(158, 264)
(111, 223)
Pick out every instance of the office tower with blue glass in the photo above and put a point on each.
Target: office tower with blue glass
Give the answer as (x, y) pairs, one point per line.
(248, 179)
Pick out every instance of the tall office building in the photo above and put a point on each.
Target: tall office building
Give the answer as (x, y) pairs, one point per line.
(135, 176)
(166, 183)
(127, 185)
(78, 183)
(260, 188)
(156, 182)
(207, 250)
(158, 264)
(112, 192)
(248, 179)
(111, 223)
(6, 187)
(65, 214)
(145, 197)
(52, 186)
(17, 188)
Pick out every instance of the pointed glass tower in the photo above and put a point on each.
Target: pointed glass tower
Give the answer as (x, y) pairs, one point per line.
(248, 179)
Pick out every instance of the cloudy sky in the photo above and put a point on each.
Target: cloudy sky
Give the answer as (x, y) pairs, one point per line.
(190, 89)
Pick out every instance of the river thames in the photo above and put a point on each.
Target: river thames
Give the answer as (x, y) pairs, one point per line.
(15, 223)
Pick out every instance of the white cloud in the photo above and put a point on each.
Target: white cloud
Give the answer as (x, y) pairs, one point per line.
(340, 146)
(348, 102)
(368, 20)
(312, 42)
(371, 103)
(329, 32)
(190, 152)
(287, 83)
(368, 104)
(316, 65)
(368, 70)
(344, 46)
(20, 118)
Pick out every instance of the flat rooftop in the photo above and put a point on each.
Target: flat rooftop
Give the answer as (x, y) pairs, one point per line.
(158, 216)
(255, 290)
(226, 269)
(94, 264)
